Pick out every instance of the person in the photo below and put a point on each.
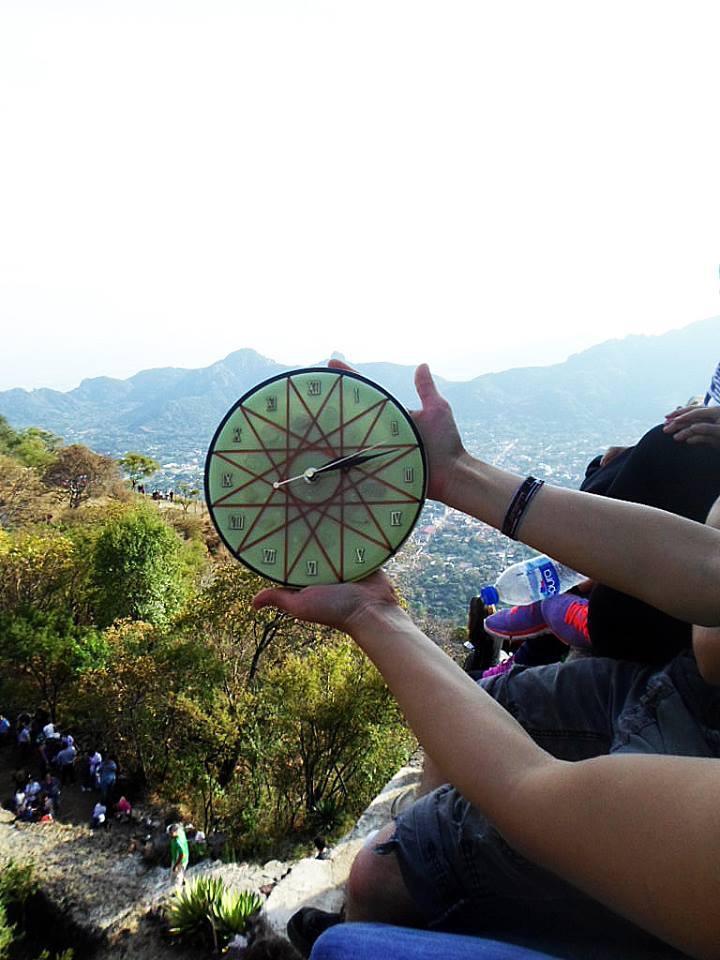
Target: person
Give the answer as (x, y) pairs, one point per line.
(123, 810)
(4, 729)
(51, 789)
(99, 816)
(179, 853)
(554, 815)
(107, 775)
(676, 467)
(65, 763)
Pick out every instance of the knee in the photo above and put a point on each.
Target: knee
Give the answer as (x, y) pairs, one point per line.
(375, 888)
(364, 880)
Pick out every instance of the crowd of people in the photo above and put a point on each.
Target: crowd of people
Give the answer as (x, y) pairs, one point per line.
(47, 760)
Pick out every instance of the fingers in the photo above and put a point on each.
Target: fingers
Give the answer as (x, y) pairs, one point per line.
(341, 365)
(274, 597)
(610, 455)
(690, 416)
(674, 414)
(425, 385)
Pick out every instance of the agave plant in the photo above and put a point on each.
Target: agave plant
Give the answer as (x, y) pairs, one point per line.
(208, 910)
(235, 908)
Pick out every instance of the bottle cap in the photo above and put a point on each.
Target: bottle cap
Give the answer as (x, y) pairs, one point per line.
(489, 596)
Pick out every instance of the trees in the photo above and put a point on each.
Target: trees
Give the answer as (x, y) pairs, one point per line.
(138, 466)
(142, 570)
(46, 651)
(79, 473)
(24, 498)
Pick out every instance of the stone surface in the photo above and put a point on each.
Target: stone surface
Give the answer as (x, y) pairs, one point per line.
(321, 883)
(109, 892)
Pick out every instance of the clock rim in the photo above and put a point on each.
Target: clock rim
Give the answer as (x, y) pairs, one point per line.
(284, 376)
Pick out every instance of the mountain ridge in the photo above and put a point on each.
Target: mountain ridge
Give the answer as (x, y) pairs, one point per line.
(614, 386)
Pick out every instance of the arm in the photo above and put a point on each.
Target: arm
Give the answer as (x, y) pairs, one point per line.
(610, 541)
(579, 820)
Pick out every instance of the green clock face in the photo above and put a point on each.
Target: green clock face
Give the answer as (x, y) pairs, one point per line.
(315, 476)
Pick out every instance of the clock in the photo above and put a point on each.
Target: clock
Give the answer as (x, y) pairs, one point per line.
(315, 476)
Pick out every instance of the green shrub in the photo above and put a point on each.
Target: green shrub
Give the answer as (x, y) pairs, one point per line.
(206, 910)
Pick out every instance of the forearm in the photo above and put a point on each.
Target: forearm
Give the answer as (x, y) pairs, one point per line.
(451, 716)
(614, 542)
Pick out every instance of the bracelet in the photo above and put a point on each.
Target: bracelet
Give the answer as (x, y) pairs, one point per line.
(520, 502)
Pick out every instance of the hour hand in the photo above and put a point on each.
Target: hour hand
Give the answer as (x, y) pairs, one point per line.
(355, 460)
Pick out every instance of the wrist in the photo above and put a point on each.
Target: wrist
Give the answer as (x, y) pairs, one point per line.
(480, 490)
(374, 617)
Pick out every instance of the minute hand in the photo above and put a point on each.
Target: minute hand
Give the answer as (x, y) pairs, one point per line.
(354, 459)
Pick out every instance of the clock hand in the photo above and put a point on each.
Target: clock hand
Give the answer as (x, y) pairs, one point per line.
(355, 460)
(306, 475)
(350, 461)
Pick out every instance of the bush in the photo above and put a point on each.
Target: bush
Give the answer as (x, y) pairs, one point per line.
(207, 911)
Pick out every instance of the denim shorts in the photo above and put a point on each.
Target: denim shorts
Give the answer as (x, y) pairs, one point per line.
(459, 870)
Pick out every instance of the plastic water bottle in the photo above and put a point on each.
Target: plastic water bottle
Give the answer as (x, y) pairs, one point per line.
(531, 580)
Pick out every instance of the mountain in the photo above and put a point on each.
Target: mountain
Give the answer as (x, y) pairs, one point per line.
(617, 388)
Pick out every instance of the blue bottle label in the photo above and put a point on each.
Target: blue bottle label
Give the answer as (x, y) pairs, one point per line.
(549, 579)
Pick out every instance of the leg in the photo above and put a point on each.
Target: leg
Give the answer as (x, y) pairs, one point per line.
(442, 854)
(376, 889)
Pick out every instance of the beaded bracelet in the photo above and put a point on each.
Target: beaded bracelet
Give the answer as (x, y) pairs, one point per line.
(520, 502)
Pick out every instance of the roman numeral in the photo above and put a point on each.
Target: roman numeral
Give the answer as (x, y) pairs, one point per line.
(395, 428)
(409, 474)
(271, 404)
(227, 480)
(359, 554)
(314, 388)
(237, 434)
(311, 568)
(356, 394)
(396, 518)
(237, 521)
(269, 555)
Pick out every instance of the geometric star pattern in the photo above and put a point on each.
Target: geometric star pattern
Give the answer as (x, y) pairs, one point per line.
(315, 476)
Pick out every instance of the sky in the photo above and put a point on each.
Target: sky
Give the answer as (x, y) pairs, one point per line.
(480, 185)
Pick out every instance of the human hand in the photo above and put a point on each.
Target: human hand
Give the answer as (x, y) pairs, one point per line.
(439, 432)
(339, 605)
(610, 454)
(694, 425)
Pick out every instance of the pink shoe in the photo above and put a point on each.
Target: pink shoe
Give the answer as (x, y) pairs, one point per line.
(517, 623)
(566, 615)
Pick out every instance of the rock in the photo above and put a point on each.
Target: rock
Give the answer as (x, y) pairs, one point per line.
(6, 816)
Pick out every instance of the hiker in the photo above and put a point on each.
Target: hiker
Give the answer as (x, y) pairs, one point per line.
(99, 816)
(65, 763)
(123, 810)
(107, 775)
(676, 467)
(542, 830)
(179, 853)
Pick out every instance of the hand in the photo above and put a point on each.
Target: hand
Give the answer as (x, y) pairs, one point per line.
(610, 455)
(438, 430)
(339, 605)
(694, 425)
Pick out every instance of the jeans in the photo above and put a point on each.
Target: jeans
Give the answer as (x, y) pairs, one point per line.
(371, 941)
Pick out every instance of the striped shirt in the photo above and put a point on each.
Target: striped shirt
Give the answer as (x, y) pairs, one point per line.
(712, 397)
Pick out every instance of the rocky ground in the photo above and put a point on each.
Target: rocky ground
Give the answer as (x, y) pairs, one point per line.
(111, 898)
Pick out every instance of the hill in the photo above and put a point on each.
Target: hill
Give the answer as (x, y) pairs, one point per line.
(617, 388)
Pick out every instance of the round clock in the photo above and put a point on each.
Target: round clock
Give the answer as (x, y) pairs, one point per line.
(315, 476)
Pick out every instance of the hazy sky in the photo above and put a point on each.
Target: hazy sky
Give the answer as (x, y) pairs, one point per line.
(481, 185)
